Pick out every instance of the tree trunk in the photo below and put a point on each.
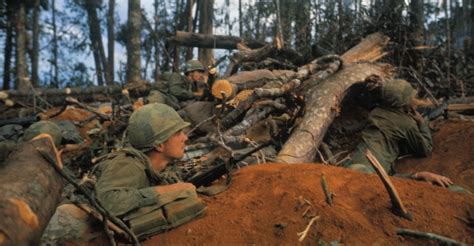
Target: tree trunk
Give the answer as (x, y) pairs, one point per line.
(31, 191)
(8, 47)
(303, 29)
(22, 80)
(179, 23)
(448, 42)
(55, 81)
(417, 30)
(110, 43)
(133, 42)
(206, 16)
(97, 46)
(56, 97)
(340, 12)
(323, 99)
(241, 31)
(417, 21)
(189, 50)
(157, 46)
(470, 16)
(36, 30)
(212, 41)
(285, 10)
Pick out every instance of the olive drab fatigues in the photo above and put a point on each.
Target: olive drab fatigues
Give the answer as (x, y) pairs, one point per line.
(124, 186)
(389, 134)
(183, 88)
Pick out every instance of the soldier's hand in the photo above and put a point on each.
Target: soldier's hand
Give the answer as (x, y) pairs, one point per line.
(213, 71)
(199, 93)
(433, 178)
(417, 116)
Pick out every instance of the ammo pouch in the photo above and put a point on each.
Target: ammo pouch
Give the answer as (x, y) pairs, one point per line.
(150, 220)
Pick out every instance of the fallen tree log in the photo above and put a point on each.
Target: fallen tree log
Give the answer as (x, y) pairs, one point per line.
(249, 80)
(31, 191)
(190, 39)
(321, 108)
(323, 66)
(56, 97)
(324, 98)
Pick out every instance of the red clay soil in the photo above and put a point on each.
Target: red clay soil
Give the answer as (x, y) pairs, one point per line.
(453, 154)
(263, 207)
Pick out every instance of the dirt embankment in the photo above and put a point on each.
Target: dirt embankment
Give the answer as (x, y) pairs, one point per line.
(453, 154)
(263, 206)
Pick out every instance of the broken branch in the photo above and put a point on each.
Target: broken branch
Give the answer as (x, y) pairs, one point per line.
(397, 205)
(326, 190)
(442, 239)
(304, 233)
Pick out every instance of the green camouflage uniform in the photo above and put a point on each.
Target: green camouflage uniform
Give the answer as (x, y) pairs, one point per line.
(126, 180)
(183, 88)
(44, 126)
(391, 133)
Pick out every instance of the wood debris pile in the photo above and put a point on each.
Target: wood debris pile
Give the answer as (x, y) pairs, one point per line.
(277, 103)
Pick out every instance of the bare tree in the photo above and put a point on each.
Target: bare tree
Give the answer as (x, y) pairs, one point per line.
(206, 16)
(241, 31)
(156, 44)
(416, 21)
(111, 42)
(189, 51)
(35, 56)
(8, 47)
(303, 28)
(95, 36)
(54, 65)
(133, 42)
(22, 80)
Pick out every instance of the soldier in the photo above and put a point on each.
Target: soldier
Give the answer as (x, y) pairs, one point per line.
(182, 90)
(134, 184)
(188, 87)
(61, 132)
(396, 128)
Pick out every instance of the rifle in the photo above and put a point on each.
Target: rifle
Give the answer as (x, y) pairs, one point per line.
(433, 113)
(215, 64)
(212, 77)
(223, 167)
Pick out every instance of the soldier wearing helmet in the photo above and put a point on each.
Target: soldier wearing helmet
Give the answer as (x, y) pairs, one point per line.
(134, 183)
(395, 128)
(191, 85)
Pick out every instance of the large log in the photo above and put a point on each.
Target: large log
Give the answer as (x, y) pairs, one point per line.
(56, 97)
(324, 98)
(31, 191)
(249, 80)
(190, 39)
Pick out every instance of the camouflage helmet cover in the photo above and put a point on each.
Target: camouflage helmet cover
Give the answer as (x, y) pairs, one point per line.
(193, 65)
(153, 124)
(44, 126)
(397, 93)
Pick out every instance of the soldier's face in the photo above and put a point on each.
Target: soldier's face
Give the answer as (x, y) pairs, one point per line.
(173, 148)
(196, 75)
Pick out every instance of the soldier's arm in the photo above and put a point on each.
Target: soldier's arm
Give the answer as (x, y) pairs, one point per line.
(419, 139)
(178, 88)
(118, 189)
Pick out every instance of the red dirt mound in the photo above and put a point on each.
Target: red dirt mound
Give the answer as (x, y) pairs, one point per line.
(453, 154)
(264, 206)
